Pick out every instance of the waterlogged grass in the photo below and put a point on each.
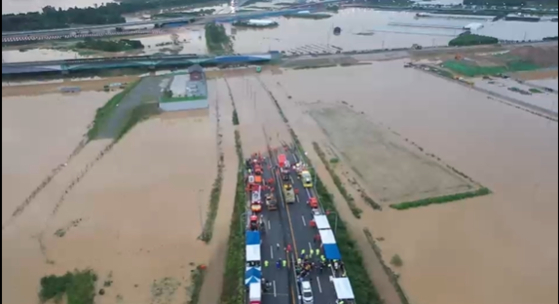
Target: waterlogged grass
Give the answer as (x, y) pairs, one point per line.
(104, 112)
(233, 291)
(207, 233)
(396, 261)
(77, 286)
(235, 118)
(363, 288)
(393, 277)
(197, 280)
(356, 211)
(441, 199)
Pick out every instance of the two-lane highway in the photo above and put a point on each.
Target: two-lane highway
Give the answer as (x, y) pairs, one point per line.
(274, 241)
(299, 216)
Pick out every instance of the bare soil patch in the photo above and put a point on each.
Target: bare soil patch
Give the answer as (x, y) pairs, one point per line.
(544, 56)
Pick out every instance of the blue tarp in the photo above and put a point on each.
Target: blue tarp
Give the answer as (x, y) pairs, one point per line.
(252, 275)
(332, 252)
(253, 238)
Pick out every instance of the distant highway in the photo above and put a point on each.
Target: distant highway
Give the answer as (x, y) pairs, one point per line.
(190, 19)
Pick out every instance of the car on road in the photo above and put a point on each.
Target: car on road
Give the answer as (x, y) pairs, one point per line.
(306, 291)
(307, 179)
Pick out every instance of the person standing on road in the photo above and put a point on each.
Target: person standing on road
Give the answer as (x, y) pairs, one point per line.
(278, 264)
(299, 261)
(284, 263)
(288, 248)
(266, 263)
(317, 252)
(310, 253)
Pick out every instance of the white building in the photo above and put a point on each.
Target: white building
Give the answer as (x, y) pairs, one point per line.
(186, 92)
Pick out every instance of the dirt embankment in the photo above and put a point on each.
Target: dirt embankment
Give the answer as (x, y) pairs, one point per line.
(36, 89)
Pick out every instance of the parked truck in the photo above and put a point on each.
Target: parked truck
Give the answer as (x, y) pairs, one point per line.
(289, 193)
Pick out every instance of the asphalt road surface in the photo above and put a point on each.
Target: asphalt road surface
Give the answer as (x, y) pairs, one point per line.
(290, 224)
(274, 241)
(301, 235)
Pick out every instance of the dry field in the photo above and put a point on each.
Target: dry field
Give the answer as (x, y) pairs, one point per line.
(134, 217)
(474, 251)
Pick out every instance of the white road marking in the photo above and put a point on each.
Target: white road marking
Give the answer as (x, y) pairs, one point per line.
(297, 198)
(310, 246)
(303, 218)
(269, 225)
(275, 294)
(308, 192)
(319, 285)
(272, 251)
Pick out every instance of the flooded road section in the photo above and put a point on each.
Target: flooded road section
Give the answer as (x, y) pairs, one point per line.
(496, 249)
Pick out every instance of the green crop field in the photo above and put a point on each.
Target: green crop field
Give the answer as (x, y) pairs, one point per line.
(474, 70)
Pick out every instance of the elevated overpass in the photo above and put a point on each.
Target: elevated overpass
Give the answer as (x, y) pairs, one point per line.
(147, 62)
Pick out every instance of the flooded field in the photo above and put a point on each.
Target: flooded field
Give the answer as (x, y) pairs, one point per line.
(362, 29)
(391, 167)
(38, 134)
(526, 93)
(474, 251)
(143, 202)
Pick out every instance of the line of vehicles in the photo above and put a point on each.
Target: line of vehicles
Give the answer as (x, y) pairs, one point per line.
(261, 191)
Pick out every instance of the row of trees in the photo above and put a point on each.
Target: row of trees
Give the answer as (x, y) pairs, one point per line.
(471, 39)
(50, 17)
(110, 45)
(217, 40)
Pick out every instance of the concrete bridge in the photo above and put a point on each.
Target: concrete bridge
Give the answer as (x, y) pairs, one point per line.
(148, 62)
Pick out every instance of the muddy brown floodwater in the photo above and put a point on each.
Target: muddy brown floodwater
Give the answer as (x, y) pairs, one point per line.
(500, 248)
(134, 217)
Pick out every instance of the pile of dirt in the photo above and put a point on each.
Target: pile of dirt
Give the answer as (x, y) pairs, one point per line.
(542, 56)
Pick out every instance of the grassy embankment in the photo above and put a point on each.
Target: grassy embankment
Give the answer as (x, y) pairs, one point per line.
(233, 291)
(393, 276)
(215, 194)
(217, 40)
(77, 286)
(441, 199)
(103, 113)
(197, 280)
(363, 288)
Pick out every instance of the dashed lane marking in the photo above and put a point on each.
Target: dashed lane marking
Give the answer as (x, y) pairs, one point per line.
(303, 218)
